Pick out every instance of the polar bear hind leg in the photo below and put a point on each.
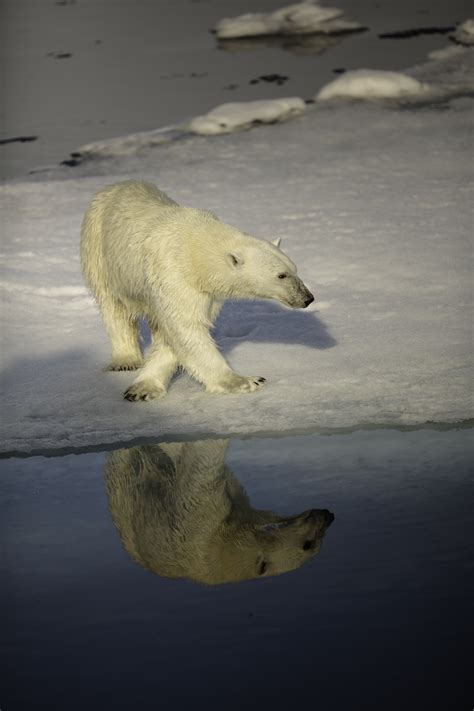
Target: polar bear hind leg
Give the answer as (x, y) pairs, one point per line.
(160, 365)
(122, 328)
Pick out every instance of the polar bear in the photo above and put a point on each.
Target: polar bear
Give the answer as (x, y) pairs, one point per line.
(143, 255)
(181, 513)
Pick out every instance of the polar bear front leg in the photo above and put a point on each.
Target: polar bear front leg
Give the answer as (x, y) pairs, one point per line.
(153, 379)
(198, 354)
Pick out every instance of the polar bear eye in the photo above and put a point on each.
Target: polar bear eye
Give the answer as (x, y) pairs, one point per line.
(282, 275)
(262, 567)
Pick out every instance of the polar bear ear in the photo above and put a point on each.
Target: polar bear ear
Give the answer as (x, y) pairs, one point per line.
(276, 241)
(234, 259)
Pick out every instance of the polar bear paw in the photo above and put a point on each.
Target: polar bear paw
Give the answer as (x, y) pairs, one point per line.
(234, 383)
(124, 364)
(144, 390)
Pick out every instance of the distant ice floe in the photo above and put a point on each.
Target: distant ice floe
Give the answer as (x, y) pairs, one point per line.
(238, 116)
(464, 33)
(372, 84)
(463, 36)
(128, 145)
(447, 76)
(448, 52)
(298, 19)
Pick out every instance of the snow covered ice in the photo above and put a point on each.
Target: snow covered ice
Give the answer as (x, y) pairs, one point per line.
(464, 33)
(236, 116)
(126, 145)
(372, 203)
(372, 83)
(447, 75)
(299, 18)
(226, 118)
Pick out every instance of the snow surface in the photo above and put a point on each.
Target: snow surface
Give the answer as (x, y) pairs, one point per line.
(300, 18)
(373, 204)
(240, 115)
(372, 83)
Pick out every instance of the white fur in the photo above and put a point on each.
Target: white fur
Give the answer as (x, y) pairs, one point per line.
(143, 255)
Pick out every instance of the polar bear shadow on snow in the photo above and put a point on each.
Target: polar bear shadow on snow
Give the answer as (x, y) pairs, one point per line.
(261, 322)
(266, 322)
(181, 513)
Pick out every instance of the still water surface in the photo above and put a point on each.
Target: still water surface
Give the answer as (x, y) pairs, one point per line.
(214, 573)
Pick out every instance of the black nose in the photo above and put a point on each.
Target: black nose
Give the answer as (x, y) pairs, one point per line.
(329, 516)
(309, 300)
(316, 515)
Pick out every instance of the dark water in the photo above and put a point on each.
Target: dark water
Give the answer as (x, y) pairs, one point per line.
(379, 619)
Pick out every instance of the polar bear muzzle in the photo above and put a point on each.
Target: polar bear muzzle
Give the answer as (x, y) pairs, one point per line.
(301, 297)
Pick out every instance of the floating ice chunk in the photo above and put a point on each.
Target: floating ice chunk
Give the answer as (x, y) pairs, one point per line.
(249, 25)
(372, 84)
(304, 16)
(237, 116)
(464, 33)
(128, 145)
(448, 52)
(301, 18)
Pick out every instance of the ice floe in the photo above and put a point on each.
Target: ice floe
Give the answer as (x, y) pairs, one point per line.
(299, 18)
(372, 84)
(464, 33)
(240, 115)
(373, 205)
(127, 145)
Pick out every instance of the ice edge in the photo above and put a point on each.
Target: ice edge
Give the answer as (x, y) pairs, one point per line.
(262, 434)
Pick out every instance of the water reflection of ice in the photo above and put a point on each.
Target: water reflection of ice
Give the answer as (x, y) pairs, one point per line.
(299, 45)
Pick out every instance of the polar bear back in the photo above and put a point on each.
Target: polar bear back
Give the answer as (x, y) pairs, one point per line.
(124, 224)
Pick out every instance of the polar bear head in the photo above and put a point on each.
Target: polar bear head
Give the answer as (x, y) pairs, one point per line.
(256, 544)
(231, 264)
(259, 269)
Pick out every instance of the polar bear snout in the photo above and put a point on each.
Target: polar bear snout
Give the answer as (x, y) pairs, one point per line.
(322, 516)
(302, 297)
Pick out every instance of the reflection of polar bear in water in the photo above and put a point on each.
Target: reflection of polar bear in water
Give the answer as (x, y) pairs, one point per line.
(143, 255)
(181, 513)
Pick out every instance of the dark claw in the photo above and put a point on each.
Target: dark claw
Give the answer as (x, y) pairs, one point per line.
(123, 367)
(262, 380)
